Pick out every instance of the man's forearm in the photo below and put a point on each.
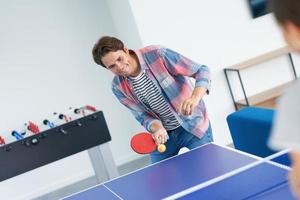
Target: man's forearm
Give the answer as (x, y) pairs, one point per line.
(155, 126)
(198, 93)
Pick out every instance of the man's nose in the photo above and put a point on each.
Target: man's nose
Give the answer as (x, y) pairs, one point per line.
(120, 66)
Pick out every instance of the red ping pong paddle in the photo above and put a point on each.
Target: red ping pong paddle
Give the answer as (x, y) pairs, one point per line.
(143, 143)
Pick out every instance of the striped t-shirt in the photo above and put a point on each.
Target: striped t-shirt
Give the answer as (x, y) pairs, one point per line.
(151, 96)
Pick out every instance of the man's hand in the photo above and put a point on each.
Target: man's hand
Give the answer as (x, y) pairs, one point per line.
(294, 175)
(160, 136)
(187, 106)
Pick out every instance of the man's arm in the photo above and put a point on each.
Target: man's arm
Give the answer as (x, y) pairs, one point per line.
(180, 65)
(144, 118)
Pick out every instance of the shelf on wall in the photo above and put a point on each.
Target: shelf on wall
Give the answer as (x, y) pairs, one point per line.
(266, 98)
(262, 58)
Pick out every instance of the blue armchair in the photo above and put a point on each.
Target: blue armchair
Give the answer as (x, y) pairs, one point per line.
(250, 129)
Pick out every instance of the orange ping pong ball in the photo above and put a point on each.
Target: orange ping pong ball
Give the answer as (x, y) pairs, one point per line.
(161, 148)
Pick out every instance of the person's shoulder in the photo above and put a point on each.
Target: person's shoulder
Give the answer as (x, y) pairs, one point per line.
(152, 48)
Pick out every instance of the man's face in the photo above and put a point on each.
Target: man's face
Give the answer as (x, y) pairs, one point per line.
(118, 62)
(291, 34)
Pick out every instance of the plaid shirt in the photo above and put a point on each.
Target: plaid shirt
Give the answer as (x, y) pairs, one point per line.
(170, 71)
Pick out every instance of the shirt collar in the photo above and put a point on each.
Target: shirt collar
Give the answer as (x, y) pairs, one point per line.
(141, 59)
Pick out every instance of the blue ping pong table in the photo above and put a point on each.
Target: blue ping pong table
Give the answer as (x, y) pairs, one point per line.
(208, 172)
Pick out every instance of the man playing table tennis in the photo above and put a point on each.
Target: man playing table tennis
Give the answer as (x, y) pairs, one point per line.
(287, 124)
(153, 83)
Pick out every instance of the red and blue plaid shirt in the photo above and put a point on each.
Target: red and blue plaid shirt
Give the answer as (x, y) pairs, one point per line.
(170, 71)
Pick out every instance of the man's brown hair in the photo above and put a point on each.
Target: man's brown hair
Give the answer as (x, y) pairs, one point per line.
(105, 45)
(286, 10)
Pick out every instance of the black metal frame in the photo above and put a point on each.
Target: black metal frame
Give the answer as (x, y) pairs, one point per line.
(226, 70)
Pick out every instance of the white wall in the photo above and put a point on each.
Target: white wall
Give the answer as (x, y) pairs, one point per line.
(46, 62)
(124, 22)
(46, 65)
(215, 33)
